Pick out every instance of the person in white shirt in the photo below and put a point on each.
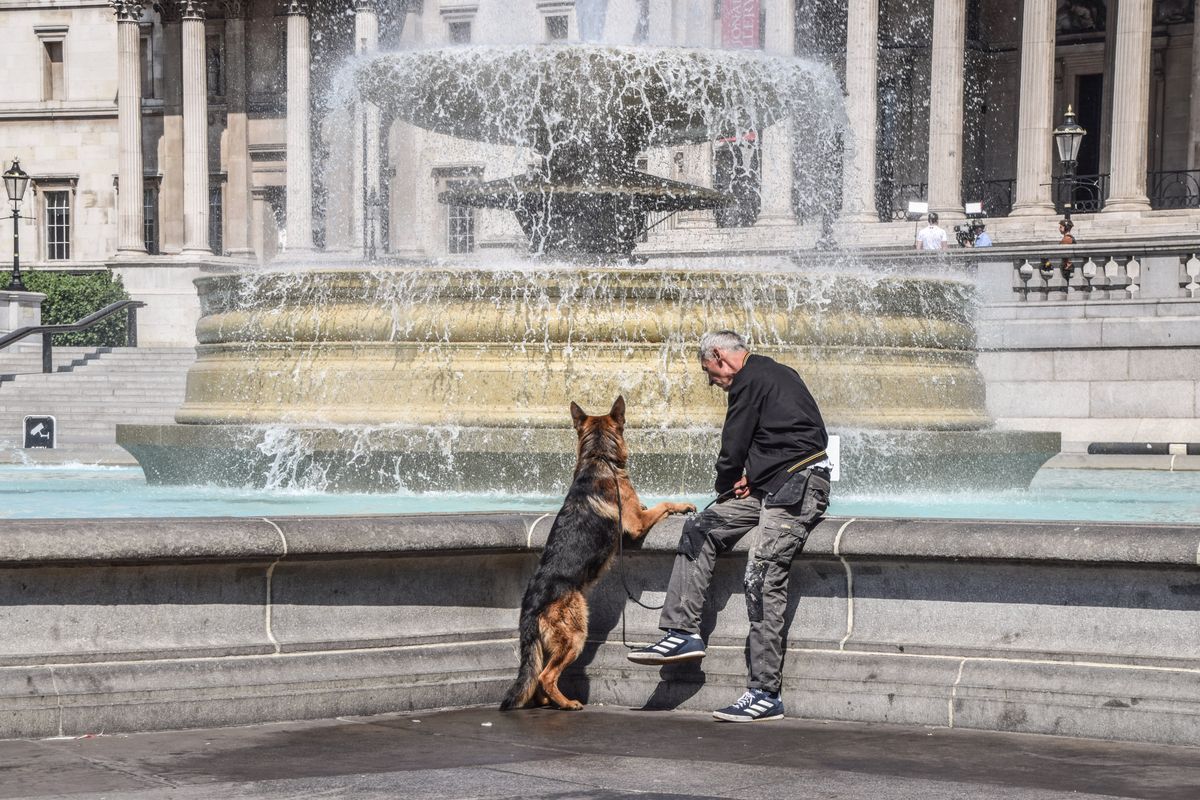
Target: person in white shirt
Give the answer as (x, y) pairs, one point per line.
(931, 237)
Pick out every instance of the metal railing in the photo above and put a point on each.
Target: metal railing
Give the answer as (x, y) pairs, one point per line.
(1086, 194)
(895, 205)
(996, 195)
(1083, 194)
(130, 307)
(1179, 188)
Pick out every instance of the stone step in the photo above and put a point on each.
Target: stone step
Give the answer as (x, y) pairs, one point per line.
(106, 389)
(103, 389)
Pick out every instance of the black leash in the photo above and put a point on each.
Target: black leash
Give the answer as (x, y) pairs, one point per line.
(621, 551)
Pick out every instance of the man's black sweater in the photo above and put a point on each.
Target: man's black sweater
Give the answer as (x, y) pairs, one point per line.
(772, 423)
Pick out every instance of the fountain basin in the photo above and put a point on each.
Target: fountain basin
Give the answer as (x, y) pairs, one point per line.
(461, 378)
(512, 349)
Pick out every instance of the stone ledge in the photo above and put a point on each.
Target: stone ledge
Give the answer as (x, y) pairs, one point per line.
(1077, 629)
(150, 540)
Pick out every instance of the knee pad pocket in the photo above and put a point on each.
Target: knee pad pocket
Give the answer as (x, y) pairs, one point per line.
(695, 531)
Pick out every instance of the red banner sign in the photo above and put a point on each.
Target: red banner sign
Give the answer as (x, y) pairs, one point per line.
(740, 24)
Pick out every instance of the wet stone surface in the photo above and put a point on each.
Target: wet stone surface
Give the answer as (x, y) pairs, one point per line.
(599, 753)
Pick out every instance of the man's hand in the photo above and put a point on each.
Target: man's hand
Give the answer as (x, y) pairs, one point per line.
(741, 488)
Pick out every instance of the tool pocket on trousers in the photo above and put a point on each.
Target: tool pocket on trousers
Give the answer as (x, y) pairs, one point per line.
(791, 493)
(816, 497)
(780, 539)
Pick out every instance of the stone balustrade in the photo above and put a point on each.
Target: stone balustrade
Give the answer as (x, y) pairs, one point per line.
(1085, 274)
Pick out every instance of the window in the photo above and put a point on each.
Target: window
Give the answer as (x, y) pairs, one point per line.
(460, 223)
(216, 241)
(53, 87)
(146, 55)
(150, 217)
(214, 65)
(556, 28)
(58, 225)
(460, 32)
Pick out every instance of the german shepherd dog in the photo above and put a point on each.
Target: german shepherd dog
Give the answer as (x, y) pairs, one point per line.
(581, 544)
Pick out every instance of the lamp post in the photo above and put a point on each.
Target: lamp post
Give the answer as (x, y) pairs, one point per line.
(1068, 137)
(15, 181)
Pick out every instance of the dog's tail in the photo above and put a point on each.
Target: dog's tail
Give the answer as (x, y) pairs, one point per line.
(538, 597)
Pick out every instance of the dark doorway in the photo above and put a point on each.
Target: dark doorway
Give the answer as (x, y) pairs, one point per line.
(1089, 94)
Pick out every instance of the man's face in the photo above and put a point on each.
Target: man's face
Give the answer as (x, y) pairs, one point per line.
(719, 370)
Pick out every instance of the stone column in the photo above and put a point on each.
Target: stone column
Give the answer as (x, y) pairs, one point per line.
(237, 140)
(862, 67)
(1193, 161)
(299, 147)
(131, 239)
(170, 146)
(1035, 148)
(195, 129)
(366, 136)
(1131, 107)
(776, 159)
(946, 107)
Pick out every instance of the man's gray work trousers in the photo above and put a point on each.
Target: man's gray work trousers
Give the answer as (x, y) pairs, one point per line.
(778, 534)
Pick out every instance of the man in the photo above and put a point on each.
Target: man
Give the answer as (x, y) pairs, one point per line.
(931, 237)
(772, 480)
(982, 238)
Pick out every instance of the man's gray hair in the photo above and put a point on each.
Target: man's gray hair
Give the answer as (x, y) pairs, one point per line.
(729, 341)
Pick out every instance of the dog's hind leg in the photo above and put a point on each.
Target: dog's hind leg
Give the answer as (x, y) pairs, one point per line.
(564, 631)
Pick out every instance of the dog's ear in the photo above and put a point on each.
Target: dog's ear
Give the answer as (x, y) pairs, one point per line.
(618, 411)
(577, 415)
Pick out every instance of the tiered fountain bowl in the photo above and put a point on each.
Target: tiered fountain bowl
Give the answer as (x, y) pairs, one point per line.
(450, 376)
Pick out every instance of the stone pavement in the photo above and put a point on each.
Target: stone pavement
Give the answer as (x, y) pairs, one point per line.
(600, 753)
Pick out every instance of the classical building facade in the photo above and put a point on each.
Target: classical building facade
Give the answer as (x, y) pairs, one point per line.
(162, 137)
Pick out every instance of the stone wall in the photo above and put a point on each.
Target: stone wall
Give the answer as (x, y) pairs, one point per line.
(116, 625)
(1115, 364)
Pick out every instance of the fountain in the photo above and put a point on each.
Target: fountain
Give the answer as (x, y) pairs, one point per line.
(458, 375)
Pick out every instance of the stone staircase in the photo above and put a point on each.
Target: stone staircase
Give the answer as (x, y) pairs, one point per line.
(90, 391)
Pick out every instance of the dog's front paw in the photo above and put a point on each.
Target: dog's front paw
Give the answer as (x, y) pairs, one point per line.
(683, 508)
(572, 705)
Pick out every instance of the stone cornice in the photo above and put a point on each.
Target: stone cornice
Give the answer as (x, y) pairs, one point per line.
(298, 8)
(236, 9)
(366, 5)
(127, 10)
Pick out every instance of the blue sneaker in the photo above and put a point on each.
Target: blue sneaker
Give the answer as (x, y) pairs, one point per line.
(676, 646)
(754, 706)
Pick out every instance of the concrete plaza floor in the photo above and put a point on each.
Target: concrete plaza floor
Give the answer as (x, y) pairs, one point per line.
(599, 753)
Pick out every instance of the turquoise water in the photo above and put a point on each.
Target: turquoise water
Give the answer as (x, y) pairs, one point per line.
(28, 492)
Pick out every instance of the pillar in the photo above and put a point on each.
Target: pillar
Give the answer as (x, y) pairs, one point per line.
(946, 107)
(1193, 161)
(170, 147)
(195, 129)
(366, 137)
(862, 67)
(131, 239)
(299, 147)
(776, 161)
(1131, 108)
(237, 141)
(1035, 115)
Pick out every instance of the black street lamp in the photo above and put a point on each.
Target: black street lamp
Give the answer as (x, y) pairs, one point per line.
(1068, 137)
(15, 181)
